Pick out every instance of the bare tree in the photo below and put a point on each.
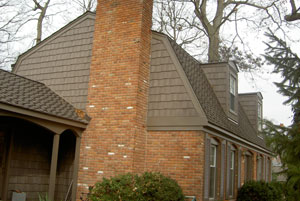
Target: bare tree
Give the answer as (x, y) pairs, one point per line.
(42, 14)
(176, 21)
(227, 11)
(199, 30)
(11, 21)
(295, 13)
(86, 5)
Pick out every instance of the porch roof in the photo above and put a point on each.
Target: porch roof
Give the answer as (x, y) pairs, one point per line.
(31, 95)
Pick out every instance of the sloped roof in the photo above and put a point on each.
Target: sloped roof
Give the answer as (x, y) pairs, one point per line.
(19, 91)
(209, 101)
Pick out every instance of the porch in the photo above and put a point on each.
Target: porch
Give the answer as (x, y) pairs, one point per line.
(40, 136)
(36, 160)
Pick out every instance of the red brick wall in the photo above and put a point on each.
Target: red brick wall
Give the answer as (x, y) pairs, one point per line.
(114, 141)
(180, 155)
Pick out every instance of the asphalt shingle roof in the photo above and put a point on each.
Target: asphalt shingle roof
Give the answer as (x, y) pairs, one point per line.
(209, 100)
(28, 94)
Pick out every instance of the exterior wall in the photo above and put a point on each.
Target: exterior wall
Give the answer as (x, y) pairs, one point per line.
(168, 96)
(180, 155)
(218, 75)
(114, 141)
(222, 166)
(2, 159)
(30, 163)
(62, 62)
(250, 106)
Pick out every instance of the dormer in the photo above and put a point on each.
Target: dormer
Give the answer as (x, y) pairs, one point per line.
(223, 77)
(253, 107)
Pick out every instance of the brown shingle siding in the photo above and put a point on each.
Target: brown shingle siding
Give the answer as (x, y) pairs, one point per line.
(210, 102)
(63, 63)
(168, 96)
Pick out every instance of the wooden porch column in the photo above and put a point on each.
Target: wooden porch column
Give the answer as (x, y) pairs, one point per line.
(75, 170)
(53, 167)
(7, 166)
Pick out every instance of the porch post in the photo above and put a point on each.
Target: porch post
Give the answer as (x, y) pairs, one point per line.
(7, 166)
(75, 170)
(53, 167)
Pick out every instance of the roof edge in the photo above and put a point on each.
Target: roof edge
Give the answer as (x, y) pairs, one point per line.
(41, 115)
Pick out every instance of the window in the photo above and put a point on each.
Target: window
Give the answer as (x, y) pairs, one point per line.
(232, 93)
(267, 169)
(259, 168)
(231, 173)
(259, 116)
(248, 166)
(213, 171)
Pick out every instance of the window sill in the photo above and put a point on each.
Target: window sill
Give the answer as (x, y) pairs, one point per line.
(232, 111)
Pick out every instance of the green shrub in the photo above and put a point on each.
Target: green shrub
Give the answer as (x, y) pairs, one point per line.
(260, 190)
(129, 187)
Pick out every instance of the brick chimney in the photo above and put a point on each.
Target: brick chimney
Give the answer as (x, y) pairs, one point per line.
(114, 141)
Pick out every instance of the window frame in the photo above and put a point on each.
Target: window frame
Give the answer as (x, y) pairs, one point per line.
(259, 168)
(212, 193)
(232, 171)
(268, 165)
(248, 159)
(232, 92)
(259, 116)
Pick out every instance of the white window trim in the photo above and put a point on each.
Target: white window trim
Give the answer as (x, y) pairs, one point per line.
(232, 77)
(214, 144)
(232, 167)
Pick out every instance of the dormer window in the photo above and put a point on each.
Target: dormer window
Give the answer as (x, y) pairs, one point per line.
(259, 116)
(232, 86)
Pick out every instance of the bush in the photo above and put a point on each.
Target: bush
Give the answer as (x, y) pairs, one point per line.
(129, 187)
(260, 190)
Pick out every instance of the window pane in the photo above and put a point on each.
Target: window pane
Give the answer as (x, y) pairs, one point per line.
(212, 182)
(248, 168)
(213, 162)
(232, 101)
(259, 169)
(231, 174)
(232, 85)
(213, 156)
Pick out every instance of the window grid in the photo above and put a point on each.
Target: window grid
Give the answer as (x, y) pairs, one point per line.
(259, 116)
(213, 162)
(231, 176)
(232, 92)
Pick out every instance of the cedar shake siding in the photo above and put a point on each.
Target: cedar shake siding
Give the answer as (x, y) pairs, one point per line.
(218, 75)
(172, 103)
(249, 102)
(62, 61)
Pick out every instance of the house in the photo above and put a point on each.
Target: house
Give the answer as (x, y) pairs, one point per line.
(104, 95)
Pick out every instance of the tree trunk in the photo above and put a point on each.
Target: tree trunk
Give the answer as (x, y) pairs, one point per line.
(41, 18)
(213, 48)
(39, 30)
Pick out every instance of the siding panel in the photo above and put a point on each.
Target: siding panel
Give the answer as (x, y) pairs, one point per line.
(62, 63)
(168, 96)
